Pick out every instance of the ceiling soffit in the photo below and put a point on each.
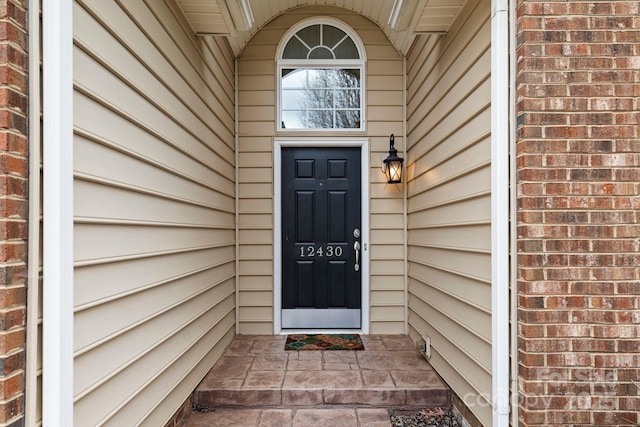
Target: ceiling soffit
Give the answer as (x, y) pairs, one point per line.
(401, 20)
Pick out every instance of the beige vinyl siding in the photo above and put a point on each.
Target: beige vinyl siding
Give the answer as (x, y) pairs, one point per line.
(449, 211)
(154, 191)
(257, 129)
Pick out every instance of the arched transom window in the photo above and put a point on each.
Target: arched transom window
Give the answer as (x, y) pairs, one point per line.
(321, 70)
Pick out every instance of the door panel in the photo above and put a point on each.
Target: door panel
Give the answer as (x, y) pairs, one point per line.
(321, 208)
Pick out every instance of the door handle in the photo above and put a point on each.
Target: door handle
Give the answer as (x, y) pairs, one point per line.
(356, 247)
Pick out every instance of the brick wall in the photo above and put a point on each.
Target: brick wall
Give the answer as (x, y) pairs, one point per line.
(578, 157)
(13, 208)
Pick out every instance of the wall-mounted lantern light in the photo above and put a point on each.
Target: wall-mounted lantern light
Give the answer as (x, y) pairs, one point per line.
(392, 165)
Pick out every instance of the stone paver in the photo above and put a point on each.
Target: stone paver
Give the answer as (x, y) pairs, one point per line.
(231, 367)
(304, 365)
(237, 348)
(373, 417)
(366, 397)
(397, 343)
(322, 379)
(258, 383)
(297, 398)
(268, 346)
(377, 379)
(399, 361)
(325, 417)
(225, 417)
(270, 362)
(307, 417)
(276, 418)
(339, 357)
(422, 379)
(264, 379)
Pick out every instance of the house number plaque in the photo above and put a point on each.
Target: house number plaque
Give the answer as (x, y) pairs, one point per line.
(320, 251)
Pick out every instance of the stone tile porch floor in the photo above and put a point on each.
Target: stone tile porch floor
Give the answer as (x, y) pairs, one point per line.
(257, 383)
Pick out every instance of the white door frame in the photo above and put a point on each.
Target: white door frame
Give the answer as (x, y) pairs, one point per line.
(280, 142)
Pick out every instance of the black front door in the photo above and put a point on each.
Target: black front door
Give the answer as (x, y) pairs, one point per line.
(321, 253)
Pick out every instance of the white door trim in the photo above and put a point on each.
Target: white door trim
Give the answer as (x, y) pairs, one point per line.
(363, 143)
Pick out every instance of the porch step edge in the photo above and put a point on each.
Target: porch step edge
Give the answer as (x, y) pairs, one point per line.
(418, 398)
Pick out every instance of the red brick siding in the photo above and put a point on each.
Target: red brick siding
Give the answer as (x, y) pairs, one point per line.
(180, 417)
(578, 157)
(13, 207)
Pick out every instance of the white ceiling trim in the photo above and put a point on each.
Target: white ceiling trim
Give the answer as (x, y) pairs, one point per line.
(403, 14)
(401, 20)
(240, 17)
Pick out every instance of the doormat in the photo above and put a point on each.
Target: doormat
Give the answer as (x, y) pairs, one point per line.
(324, 342)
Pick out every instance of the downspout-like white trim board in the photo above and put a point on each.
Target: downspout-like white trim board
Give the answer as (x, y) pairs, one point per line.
(500, 143)
(405, 195)
(57, 359)
(513, 212)
(236, 148)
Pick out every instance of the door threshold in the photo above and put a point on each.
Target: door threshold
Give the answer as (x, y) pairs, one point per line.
(321, 318)
(321, 331)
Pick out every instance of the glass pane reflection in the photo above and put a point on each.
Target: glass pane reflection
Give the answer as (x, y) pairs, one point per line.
(321, 98)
